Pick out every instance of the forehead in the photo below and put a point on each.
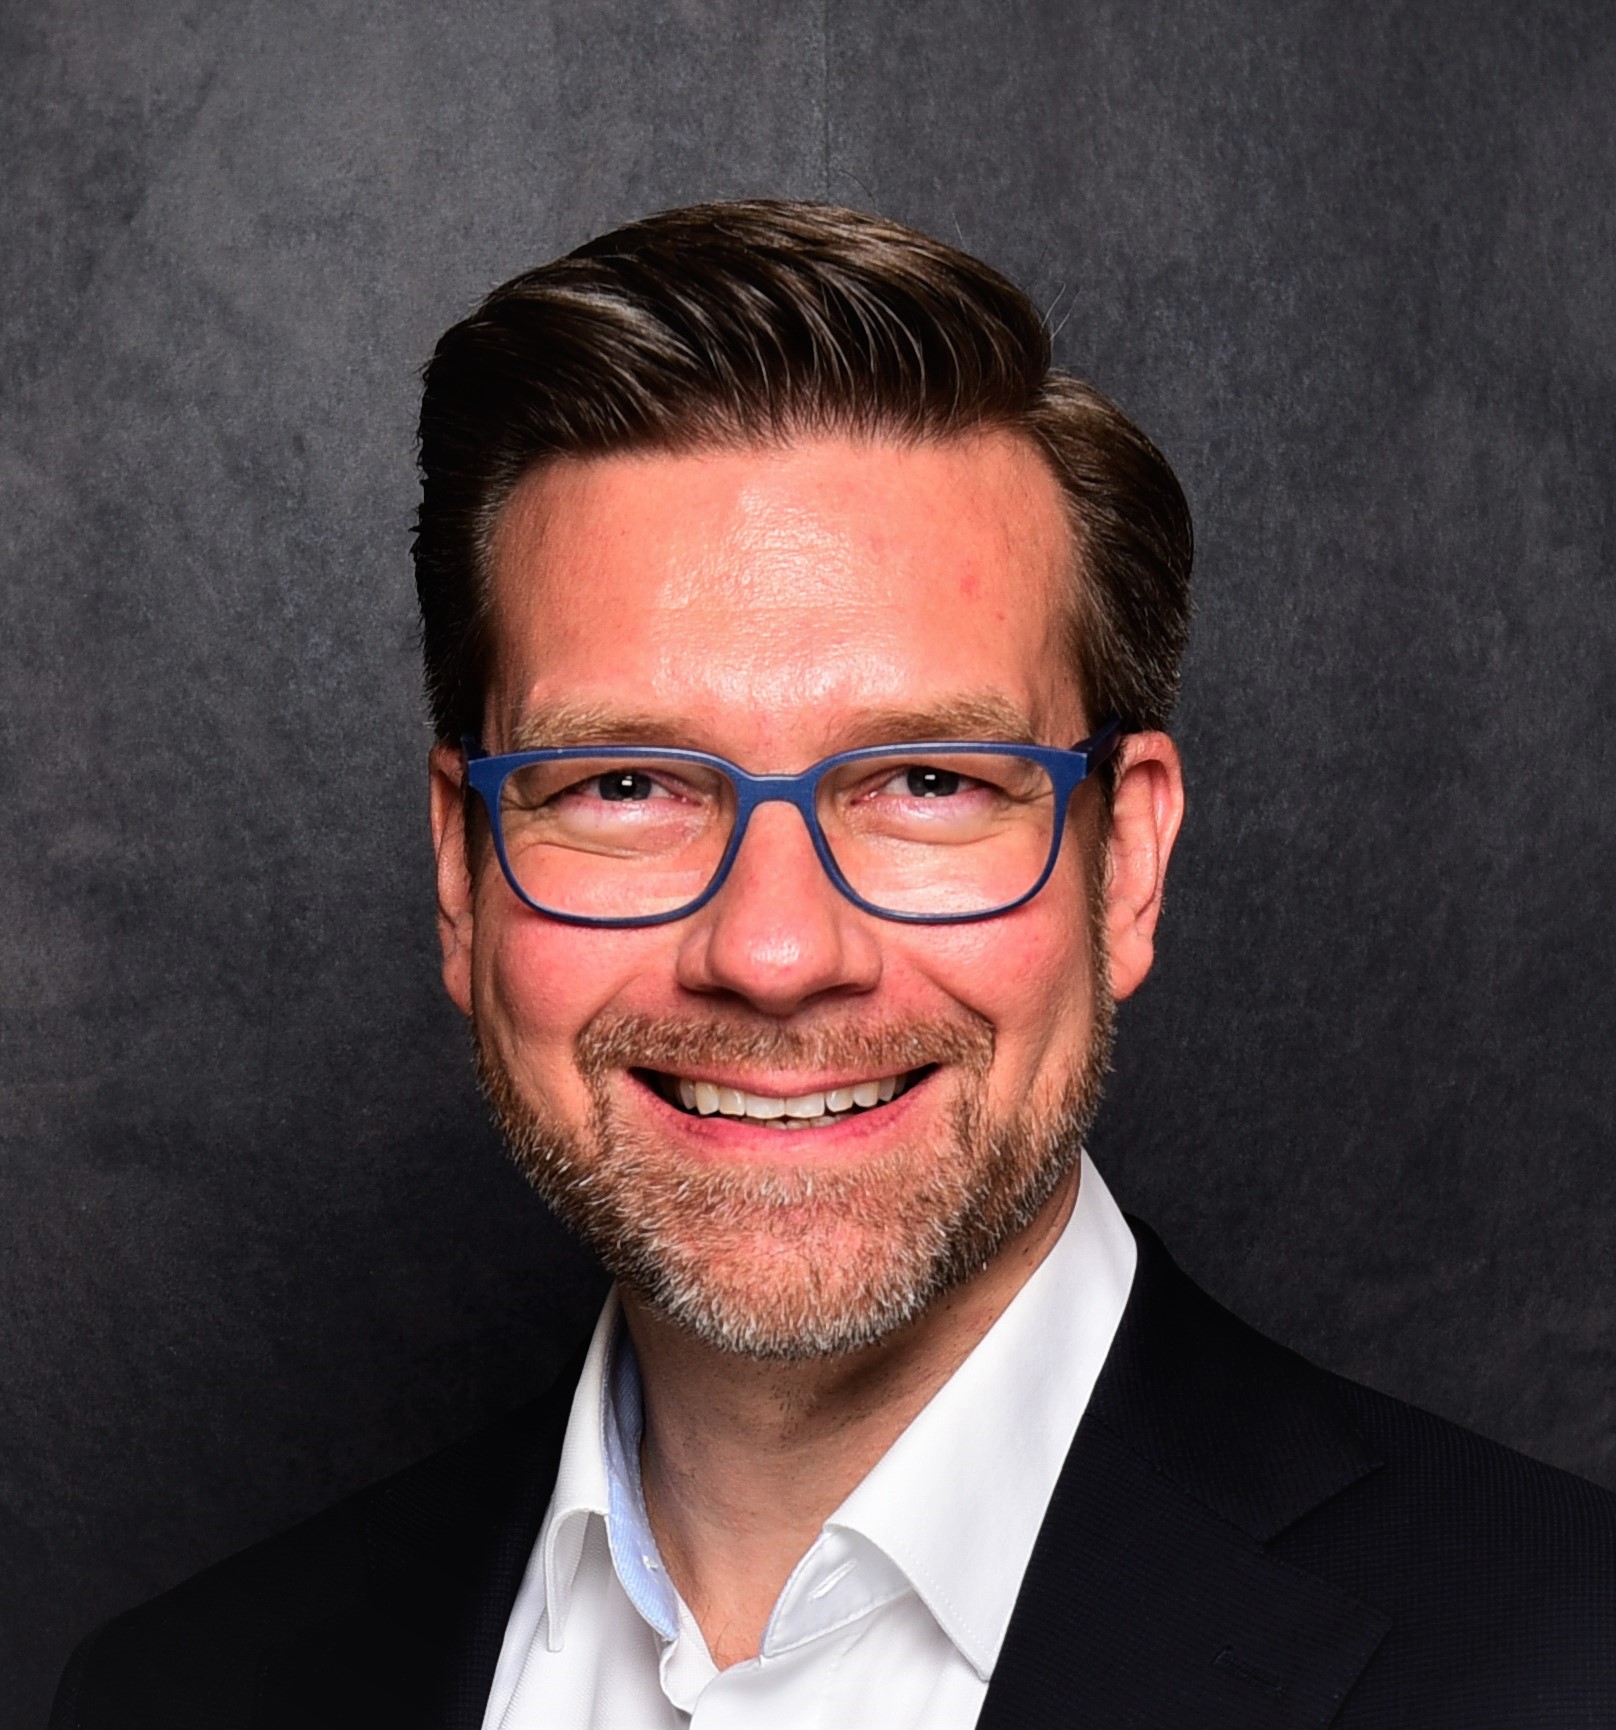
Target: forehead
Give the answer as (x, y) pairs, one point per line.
(784, 589)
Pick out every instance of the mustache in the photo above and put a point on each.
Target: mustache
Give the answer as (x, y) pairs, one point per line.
(638, 1041)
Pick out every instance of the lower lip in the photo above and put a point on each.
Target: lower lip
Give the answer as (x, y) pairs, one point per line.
(720, 1137)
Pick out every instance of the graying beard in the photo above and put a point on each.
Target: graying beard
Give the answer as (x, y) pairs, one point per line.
(974, 1205)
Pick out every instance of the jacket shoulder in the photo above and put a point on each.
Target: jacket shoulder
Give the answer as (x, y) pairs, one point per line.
(1496, 1573)
(1499, 1573)
(348, 1616)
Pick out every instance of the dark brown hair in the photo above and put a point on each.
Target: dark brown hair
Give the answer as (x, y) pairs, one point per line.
(724, 325)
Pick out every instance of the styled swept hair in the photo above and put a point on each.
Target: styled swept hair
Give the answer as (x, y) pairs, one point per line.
(758, 322)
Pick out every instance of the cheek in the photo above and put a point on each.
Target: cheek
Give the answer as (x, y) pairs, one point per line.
(1029, 974)
(537, 984)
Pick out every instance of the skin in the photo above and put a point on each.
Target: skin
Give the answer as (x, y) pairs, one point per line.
(775, 605)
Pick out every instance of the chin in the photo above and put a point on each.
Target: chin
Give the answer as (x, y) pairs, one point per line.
(792, 1258)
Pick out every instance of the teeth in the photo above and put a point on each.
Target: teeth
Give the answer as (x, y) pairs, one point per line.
(801, 1111)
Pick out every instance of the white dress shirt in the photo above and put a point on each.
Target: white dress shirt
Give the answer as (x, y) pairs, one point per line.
(895, 1616)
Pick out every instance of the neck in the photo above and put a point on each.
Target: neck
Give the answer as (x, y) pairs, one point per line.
(743, 1460)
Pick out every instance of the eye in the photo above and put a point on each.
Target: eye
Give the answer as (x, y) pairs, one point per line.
(621, 784)
(924, 782)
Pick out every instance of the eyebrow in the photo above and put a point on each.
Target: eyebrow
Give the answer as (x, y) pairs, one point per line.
(561, 724)
(984, 715)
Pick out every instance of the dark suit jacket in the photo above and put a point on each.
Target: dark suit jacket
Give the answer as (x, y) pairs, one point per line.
(1238, 1541)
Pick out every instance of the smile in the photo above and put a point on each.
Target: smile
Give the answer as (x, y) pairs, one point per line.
(797, 1111)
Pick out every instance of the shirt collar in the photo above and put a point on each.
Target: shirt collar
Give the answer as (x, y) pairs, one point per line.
(599, 1475)
(957, 1501)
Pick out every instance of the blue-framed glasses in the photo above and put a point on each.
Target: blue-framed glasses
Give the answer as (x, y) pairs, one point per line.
(933, 833)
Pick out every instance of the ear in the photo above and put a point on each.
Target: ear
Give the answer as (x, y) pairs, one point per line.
(1146, 811)
(447, 775)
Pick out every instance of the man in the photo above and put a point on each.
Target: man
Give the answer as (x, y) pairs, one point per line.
(799, 647)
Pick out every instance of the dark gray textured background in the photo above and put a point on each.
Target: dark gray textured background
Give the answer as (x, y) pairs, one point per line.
(1352, 265)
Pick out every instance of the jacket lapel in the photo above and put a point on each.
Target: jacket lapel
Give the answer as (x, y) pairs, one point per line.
(434, 1558)
(501, 1561)
(1151, 1600)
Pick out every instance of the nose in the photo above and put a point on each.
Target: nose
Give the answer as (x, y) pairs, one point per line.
(779, 934)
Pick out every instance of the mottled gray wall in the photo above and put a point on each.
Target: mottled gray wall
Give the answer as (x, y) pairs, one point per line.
(1353, 265)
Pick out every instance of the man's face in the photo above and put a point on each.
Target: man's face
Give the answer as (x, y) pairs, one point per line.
(773, 606)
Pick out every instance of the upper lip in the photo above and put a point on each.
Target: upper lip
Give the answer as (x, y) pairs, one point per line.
(775, 1086)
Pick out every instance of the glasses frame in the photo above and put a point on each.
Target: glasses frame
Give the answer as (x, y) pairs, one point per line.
(1067, 770)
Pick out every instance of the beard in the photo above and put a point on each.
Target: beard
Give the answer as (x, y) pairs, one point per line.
(789, 1261)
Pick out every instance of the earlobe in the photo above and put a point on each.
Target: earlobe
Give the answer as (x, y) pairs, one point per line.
(456, 901)
(1147, 810)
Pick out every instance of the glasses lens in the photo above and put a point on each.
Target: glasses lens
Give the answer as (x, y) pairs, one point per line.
(618, 836)
(954, 832)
